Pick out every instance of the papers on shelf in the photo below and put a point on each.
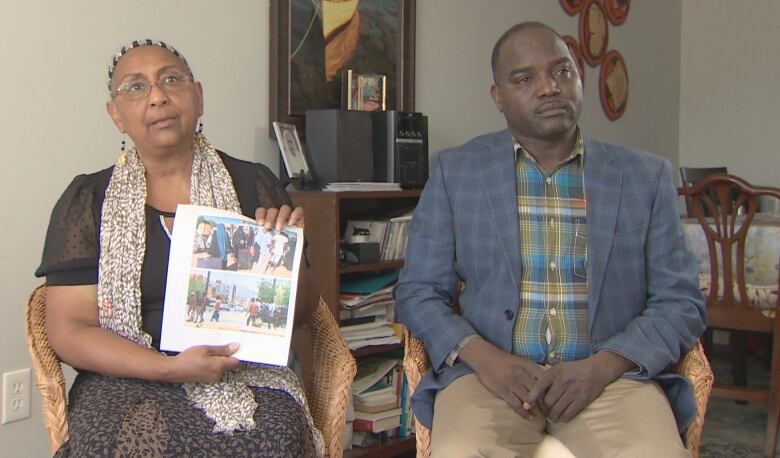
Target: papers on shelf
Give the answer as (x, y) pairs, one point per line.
(354, 301)
(362, 186)
(368, 334)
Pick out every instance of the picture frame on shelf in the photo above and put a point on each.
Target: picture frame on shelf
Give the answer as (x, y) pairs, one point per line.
(292, 153)
(364, 92)
(310, 47)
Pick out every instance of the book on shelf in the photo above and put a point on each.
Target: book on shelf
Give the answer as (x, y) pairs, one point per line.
(383, 296)
(230, 280)
(372, 370)
(367, 331)
(367, 284)
(379, 392)
(371, 407)
(367, 314)
(358, 344)
(378, 421)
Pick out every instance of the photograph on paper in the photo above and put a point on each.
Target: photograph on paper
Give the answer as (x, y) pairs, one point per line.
(231, 280)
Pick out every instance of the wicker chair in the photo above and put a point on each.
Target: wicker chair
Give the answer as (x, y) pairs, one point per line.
(334, 369)
(694, 366)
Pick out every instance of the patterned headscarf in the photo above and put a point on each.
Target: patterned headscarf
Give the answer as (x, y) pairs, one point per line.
(137, 43)
(229, 402)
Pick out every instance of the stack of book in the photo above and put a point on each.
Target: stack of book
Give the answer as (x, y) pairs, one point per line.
(368, 334)
(380, 401)
(367, 310)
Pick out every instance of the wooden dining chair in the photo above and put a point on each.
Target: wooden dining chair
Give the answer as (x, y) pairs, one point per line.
(693, 366)
(689, 176)
(333, 371)
(728, 301)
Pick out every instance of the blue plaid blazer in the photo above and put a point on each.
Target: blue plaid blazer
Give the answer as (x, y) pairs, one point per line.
(643, 298)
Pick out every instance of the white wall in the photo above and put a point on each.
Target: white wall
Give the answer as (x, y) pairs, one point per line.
(53, 123)
(730, 89)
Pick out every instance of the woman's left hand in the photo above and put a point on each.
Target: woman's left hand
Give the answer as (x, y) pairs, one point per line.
(279, 217)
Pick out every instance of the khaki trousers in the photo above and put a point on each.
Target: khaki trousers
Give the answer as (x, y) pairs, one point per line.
(630, 419)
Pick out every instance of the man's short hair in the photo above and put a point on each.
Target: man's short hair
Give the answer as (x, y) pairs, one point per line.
(511, 31)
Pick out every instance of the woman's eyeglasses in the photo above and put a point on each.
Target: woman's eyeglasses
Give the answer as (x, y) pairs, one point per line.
(138, 89)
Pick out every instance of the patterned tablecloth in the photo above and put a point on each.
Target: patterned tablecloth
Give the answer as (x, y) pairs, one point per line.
(762, 259)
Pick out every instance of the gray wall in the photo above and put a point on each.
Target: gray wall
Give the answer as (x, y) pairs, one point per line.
(730, 89)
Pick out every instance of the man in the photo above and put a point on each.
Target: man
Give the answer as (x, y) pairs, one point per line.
(253, 311)
(578, 290)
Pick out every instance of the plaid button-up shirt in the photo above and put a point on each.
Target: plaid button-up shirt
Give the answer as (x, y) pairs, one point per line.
(552, 322)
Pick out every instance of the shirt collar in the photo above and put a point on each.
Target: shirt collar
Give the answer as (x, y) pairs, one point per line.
(578, 151)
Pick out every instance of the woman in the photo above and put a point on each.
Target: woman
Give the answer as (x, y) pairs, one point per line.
(105, 263)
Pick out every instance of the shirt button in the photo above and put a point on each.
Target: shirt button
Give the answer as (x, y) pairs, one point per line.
(553, 312)
(553, 265)
(552, 222)
(508, 314)
(548, 180)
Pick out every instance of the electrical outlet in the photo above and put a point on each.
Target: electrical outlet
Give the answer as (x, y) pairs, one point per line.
(16, 395)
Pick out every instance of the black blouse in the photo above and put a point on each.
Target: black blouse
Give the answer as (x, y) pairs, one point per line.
(71, 252)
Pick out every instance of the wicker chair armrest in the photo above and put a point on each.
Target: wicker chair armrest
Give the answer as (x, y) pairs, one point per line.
(696, 368)
(416, 363)
(49, 378)
(334, 370)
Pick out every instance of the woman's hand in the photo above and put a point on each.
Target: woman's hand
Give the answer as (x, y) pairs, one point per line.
(278, 218)
(203, 363)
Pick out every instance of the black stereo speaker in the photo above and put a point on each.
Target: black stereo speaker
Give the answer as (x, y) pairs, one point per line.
(401, 148)
(339, 143)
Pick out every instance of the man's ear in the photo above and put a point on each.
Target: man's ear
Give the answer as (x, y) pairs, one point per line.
(113, 112)
(495, 93)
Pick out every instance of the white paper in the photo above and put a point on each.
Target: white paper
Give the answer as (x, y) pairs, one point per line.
(210, 257)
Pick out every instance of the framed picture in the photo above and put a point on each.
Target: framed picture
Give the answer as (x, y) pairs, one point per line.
(364, 92)
(313, 43)
(292, 151)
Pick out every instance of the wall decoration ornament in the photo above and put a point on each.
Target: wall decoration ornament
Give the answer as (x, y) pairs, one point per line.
(617, 10)
(613, 85)
(576, 53)
(595, 16)
(572, 7)
(593, 31)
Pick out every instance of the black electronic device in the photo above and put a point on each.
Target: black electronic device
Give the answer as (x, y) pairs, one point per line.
(400, 148)
(339, 143)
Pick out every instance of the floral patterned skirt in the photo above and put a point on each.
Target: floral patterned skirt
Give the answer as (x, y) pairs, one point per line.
(109, 416)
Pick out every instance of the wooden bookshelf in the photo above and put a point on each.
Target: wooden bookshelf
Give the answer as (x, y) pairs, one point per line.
(326, 217)
(327, 214)
(387, 449)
